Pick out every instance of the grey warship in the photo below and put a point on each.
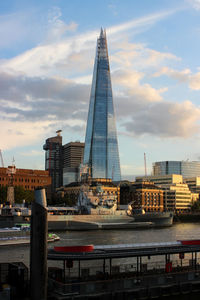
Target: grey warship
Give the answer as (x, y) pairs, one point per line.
(159, 219)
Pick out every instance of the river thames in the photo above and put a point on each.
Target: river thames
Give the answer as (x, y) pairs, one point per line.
(180, 231)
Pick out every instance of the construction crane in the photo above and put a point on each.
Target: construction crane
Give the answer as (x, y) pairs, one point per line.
(145, 165)
(1, 157)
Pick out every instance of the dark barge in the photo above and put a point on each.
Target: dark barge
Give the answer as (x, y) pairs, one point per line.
(111, 281)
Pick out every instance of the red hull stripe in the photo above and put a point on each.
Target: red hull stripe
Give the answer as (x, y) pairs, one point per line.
(191, 242)
(87, 248)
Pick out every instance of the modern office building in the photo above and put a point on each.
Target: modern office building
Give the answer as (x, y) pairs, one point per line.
(184, 168)
(54, 160)
(162, 179)
(72, 158)
(193, 184)
(178, 197)
(73, 154)
(101, 146)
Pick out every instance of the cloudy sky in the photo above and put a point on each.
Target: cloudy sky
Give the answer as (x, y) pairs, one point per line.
(47, 51)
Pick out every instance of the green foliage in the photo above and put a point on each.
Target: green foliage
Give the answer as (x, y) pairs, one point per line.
(22, 194)
(70, 200)
(196, 206)
(3, 194)
(58, 200)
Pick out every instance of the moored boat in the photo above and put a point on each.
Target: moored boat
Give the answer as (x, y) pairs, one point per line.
(19, 235)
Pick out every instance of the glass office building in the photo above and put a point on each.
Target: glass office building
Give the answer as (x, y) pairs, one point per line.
(101, 146)
(184, 168)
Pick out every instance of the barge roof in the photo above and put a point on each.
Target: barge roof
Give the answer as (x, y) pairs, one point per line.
(124, 251)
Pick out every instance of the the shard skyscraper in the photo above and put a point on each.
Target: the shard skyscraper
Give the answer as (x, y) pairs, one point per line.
(101, 146)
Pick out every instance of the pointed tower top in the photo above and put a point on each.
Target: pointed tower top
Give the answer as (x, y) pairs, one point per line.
(102, 33)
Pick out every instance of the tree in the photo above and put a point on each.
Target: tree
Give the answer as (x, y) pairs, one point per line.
(22, 194)
(3, 194)
(195, 206)
(19, 192)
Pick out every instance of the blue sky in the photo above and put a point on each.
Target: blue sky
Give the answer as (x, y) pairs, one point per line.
(47, 51)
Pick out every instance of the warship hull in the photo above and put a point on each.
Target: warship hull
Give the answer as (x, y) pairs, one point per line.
(159, 219)
(119, 220)
(115, 221)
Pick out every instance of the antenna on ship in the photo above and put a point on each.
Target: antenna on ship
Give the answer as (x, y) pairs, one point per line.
(145, 165)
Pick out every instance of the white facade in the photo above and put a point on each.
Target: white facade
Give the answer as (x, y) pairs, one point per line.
(178, 197)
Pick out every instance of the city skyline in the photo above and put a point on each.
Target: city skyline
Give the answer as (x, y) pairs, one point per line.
(47, 55)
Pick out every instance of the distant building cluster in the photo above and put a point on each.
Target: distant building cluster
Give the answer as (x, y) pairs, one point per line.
(63, 161)
(178, 193)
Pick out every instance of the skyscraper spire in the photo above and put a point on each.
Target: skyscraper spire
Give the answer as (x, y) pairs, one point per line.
(101, 146)
(101, 33)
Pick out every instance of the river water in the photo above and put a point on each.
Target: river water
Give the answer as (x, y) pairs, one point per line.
(179, 231)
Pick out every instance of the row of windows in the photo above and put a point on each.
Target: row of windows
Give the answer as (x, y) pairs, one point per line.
(25, 180)
(152, 204)
(26, 186)
(173, 197)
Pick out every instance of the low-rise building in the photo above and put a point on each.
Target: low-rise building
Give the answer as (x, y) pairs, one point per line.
(178, 197)
(142, 195)
(27, 178)
(193, 184)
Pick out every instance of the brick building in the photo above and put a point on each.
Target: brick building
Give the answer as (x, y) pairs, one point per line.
(27, 178)
(142, 195)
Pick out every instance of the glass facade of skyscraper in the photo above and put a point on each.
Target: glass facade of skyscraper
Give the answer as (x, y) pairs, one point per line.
(184, 168)
(101, 146)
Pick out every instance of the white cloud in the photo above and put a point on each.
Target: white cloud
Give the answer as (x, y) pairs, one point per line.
(56, 27)
(165, 119)
(42, 61)
(140, 22)
(147, 112)
(181, 76)
(32, 153)
(130, 80)
(37, 98)
(46, 87)
(15, 134)
(184, 76)
(194, 81)
(195, 4)
(135, 56)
